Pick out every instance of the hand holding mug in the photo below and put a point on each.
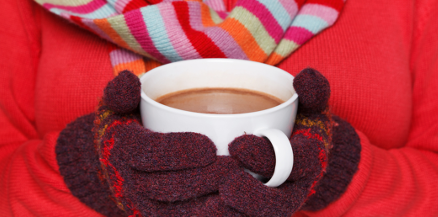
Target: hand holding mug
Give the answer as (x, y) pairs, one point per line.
(274, 123)
(151, 173)
(310, 140)
(175, 173)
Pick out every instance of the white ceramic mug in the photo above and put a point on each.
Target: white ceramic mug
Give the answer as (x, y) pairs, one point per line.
(275, 123)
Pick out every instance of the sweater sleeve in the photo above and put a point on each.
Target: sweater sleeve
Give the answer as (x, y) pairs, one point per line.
(402, 182)
(30, 182)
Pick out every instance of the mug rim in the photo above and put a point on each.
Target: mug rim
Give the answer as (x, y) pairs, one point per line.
(154, 103)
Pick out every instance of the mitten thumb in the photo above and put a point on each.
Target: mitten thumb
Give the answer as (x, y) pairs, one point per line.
(122, 94)
(313, 91)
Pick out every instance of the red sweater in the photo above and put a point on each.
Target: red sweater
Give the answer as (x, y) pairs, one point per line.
(381, 59)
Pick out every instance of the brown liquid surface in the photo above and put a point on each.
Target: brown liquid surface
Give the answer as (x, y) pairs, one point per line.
(219, 100)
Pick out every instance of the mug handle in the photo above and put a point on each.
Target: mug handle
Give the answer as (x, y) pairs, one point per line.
(284, 157)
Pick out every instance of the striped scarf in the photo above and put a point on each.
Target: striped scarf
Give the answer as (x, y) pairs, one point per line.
(144, 34)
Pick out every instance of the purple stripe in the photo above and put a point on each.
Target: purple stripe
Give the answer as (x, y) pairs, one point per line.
(226, 43)
(298, 34)
(264, 15)
(82, 9)
(134, 21)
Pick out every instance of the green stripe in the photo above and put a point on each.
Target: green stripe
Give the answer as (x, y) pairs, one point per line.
(215, 17)
(118, 23)
(286, 47)
(255, 27)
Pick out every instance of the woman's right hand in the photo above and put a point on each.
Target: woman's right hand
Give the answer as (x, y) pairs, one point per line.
(148, 173)
(147, 170)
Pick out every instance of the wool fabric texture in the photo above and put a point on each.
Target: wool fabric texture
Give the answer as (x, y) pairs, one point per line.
(343, 163)
(79, 165)
(380, 62)
(150, 33)
(152, 174)
(145, 169)
(311, 141)
(122, 96)
(324, 164)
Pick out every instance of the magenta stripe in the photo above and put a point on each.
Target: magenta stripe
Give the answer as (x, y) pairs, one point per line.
(292, 11)
(176, 35)
(326, 13)
(264, 15)
(222, 14)
(81, 9)
(134, 21)
(298, 34)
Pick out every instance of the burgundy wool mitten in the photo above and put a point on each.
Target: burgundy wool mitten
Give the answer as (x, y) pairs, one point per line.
(118, 168)
(79, 165)
(326, 156)
(150, 173)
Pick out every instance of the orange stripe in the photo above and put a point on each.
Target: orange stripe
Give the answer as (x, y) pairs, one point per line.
(207, 21)
(274, 59)
(137, 67)
(105, 26)
(150, 64)
(244, 38)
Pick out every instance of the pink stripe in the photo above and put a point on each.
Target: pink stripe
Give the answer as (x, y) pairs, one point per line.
(81, 9)
(298, 34)
(134, 21)
(226, 43)
(219, 36)
(119, 56)
(176, 35)
(195, 16)
(217, 5)
(291, 9)
(264, 15)
(120, 4)
(65, 15)
(326, 13)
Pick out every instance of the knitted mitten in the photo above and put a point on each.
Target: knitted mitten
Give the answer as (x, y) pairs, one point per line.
(79, 165)
(130, 170)
(326, 155)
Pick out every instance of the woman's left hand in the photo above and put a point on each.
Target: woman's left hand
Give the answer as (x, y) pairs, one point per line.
(312, 140)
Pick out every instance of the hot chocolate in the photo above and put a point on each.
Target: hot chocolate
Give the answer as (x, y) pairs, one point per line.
(219, 100)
